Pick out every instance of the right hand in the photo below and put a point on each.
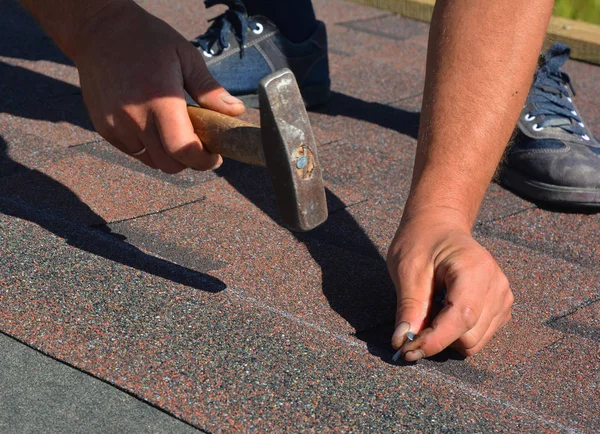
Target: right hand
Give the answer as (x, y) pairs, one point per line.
(433, 250)
(133, 69)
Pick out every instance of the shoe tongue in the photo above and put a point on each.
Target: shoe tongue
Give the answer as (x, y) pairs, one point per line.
(556, 57)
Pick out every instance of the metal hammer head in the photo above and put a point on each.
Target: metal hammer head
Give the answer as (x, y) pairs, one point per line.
(291, 152)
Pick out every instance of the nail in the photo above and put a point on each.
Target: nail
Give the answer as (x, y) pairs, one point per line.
(413, 356)
(227, 98)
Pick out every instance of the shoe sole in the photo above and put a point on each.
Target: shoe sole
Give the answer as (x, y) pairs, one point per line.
(313, 96)
(548, 193)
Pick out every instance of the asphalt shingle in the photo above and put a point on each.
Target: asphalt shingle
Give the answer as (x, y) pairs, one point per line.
(188, 294)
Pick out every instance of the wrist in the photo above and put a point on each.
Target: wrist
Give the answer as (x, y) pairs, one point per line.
(92, 22)
(440, 207)
(451, 196)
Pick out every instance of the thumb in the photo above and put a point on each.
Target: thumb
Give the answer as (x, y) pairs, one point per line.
(203, 87)
(414, 290)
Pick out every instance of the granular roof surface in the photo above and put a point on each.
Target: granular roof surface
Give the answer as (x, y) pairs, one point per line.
(185, 293)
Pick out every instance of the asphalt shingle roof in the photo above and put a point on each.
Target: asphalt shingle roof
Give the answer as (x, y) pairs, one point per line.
(185, 291)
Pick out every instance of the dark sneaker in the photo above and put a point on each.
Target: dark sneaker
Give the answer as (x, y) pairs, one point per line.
(240, 50)
(554, 158)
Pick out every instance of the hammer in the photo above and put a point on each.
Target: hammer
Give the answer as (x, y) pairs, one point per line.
(284, 143)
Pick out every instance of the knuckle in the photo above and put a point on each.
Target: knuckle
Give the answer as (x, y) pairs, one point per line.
(503, 282)
(470, 351)
(411, 304)
(182, 153)
(469, 316)
(468, 345)
(510, 299)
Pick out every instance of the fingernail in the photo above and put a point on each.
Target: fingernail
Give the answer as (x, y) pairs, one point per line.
(227, 98)
(413, 356)
(399, 334)
(403, 328)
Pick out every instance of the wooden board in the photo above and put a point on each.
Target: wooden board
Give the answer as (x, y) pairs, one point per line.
(583, 38)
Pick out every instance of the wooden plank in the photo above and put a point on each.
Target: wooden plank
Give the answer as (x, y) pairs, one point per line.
(583, 38)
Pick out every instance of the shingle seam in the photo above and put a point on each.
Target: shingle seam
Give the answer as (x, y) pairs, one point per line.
(355, 345)
(153, 213)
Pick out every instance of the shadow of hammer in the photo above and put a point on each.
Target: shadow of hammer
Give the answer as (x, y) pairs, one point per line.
(284, 143)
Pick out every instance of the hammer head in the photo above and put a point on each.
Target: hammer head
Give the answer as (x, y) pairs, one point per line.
(291, 152)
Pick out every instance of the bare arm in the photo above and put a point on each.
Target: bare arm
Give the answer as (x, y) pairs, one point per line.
(481, 58)
(64, 20)
(482, 55)
(133, 69)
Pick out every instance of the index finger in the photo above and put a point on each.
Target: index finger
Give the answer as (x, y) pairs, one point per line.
(464, 305)
(177, 135)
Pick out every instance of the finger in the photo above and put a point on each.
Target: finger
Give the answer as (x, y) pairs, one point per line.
(446, 328)
(145, 158)
(414, 286)
(133, 147)
(203, 87)
(472, 337)
(177, 135)
(462, 313)
(498, 302)
(468, 349)
(157, 153)
(467, 289)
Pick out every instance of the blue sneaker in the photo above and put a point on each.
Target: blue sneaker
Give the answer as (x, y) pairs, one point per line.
(554, 158)
(240, 50)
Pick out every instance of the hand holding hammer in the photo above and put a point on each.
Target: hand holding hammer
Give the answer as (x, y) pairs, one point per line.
(284, 143)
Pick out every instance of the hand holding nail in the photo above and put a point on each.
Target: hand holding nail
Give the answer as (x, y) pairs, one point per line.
(477, 301)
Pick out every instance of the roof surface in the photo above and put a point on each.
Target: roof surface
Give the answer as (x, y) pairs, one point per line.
(185, 292)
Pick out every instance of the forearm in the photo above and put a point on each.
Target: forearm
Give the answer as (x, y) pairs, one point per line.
(64, 19)
(481, 58)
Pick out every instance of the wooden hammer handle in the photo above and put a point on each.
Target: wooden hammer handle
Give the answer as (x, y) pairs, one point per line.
(228, 136)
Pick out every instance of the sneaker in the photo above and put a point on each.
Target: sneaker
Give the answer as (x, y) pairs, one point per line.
(554, 158)
(240, 50)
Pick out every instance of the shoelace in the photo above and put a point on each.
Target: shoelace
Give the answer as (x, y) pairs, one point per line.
(235, 20)
(552, 106)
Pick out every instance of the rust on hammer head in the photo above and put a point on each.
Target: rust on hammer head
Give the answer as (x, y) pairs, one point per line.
(291, 152)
